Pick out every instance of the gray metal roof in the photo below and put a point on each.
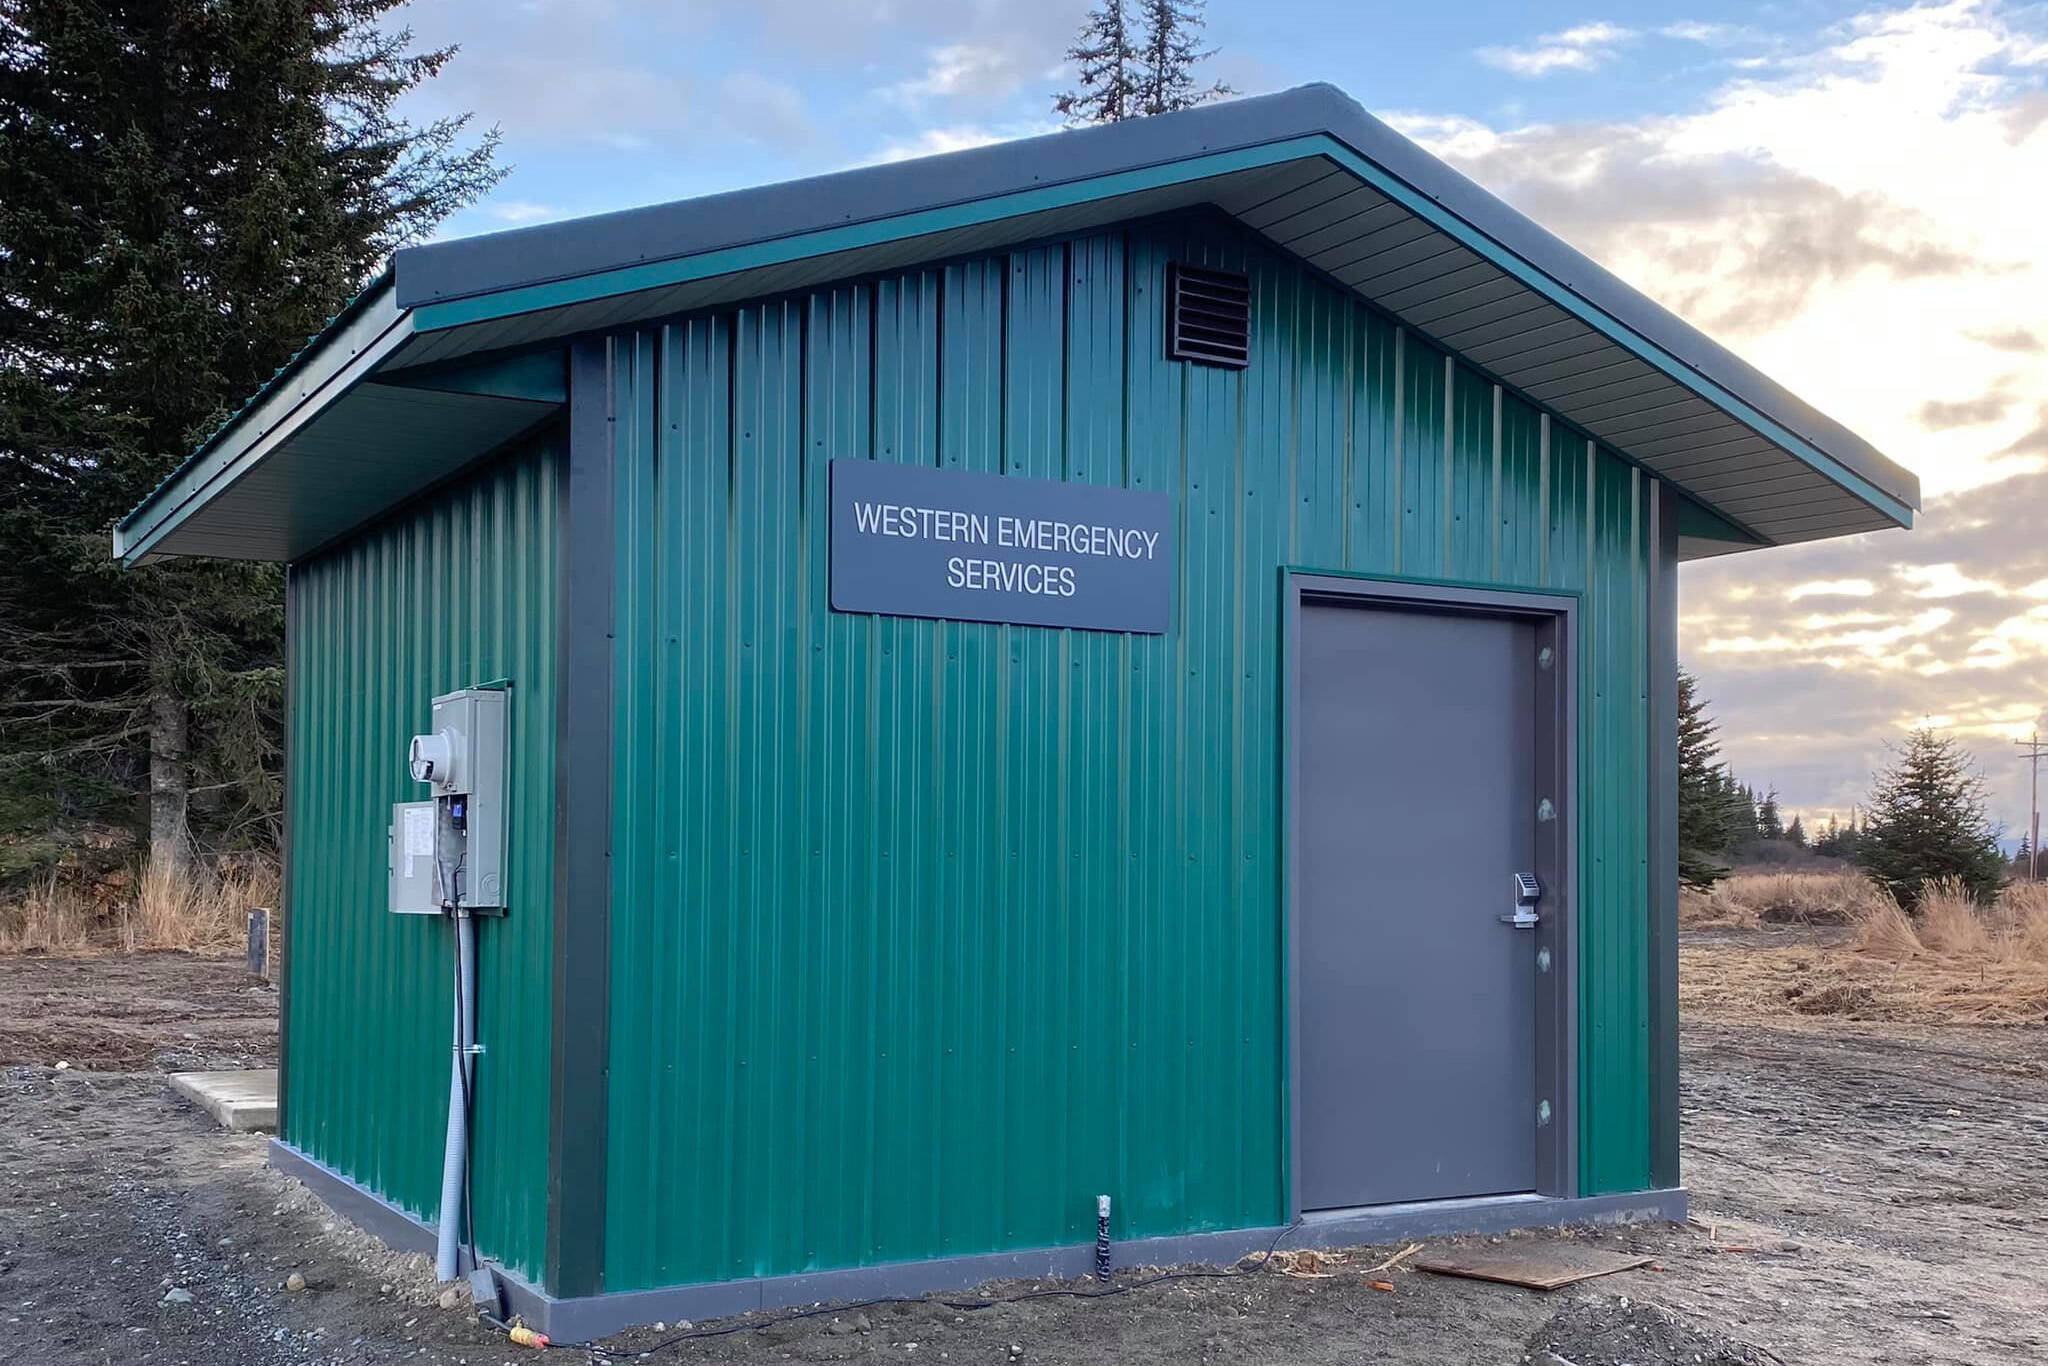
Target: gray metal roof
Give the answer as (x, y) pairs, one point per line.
(1308, 169)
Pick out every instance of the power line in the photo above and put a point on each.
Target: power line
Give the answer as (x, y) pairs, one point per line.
(2033, 750)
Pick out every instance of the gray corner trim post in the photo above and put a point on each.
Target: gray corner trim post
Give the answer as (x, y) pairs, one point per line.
(1663, 798)
(579, 1319)
(583, 780)
(284, 881)
(1557, 618)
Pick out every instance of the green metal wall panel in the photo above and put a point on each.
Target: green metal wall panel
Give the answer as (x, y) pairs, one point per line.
(927, 932)
(455, 590)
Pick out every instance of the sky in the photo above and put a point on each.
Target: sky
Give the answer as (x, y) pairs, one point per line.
(1853, 197)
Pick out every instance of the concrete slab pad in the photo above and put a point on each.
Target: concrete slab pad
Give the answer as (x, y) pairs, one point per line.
(242, 1101)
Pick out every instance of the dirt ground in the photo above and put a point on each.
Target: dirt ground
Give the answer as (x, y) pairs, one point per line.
(166, 1012)
(1864, 1192)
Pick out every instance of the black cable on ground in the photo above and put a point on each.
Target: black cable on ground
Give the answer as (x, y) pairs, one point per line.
(965, 1306)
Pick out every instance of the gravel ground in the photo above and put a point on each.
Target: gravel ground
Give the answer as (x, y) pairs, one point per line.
(1861, 1197)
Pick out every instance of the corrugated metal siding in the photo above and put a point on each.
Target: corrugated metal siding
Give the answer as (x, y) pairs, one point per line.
(458, 590)
(927, 932)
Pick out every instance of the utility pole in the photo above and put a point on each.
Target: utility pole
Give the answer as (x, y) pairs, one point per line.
(2033, 751)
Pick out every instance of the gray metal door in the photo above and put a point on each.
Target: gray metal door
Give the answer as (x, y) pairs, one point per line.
(1417, 771)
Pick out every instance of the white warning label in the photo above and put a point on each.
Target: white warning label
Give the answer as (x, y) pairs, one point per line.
(419, 832)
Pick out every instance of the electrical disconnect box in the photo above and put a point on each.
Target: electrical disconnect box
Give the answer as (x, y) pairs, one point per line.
(450, 849)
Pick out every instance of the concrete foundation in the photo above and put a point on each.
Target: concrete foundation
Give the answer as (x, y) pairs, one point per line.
(583, 1318)
(245, 1102)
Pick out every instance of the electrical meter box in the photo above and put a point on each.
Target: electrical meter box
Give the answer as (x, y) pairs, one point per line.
(450, 849)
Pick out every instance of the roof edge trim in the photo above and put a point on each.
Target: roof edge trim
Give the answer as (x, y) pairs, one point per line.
(494, 305)
(1565, 296)
(360, 339)
(491, 305)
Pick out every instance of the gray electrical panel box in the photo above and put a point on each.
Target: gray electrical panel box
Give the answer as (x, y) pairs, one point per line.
(415, 887)
(451, 848)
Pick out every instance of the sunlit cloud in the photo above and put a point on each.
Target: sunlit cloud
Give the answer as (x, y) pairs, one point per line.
(1831, 588)
(1943, 581)
(1585, 47)
(1775, 215)
(957, 137)
(522, 211)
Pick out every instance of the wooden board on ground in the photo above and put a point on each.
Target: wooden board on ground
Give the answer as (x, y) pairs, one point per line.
(1540, 1266)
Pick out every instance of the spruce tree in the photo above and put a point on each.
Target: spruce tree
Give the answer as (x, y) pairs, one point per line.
(1173, 49)
(1770, 825)
(189, 189)
(1928, 821)
(1106, 62)
(1126, 70)
(1703, 807)
(1795, 833)
(1851, 838)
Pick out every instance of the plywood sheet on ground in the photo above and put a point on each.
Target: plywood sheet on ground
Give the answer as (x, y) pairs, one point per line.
(1538, 1266)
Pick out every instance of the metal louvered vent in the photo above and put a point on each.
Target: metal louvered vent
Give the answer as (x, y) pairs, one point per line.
(1208, 316)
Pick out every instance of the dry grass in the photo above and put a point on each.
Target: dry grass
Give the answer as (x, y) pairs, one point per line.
(1952, 961)
(2020, 923)
(1949, 922)
(53, 916)
(1886, 931)
(200, 909)
(1747, 900)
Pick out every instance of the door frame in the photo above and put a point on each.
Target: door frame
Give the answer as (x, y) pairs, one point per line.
(1555, 613)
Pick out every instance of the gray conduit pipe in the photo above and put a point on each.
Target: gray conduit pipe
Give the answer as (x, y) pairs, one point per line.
(461, 1077)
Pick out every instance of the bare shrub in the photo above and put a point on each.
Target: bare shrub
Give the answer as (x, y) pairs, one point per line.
(1949, 922)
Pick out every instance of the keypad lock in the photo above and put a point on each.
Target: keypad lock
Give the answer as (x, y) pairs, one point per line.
(1528, 891)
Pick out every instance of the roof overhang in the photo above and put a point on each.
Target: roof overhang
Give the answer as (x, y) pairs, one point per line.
(331, 443)
(1308, 169)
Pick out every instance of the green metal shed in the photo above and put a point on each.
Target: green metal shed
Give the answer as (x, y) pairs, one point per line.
(1135, 663)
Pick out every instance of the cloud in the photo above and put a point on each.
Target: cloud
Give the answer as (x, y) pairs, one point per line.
(1938, 414)
(1585, 47)
(1708, 34)
(2007, 339)
(546, 100)
(957, 137)
(521, 211)
(1944, 580)
(758, 109)
(982, 71)
(1949, 625)
(1775, 215)
(1831, 588)
(2035, 442)
(1858, 214)
(1726, 237)
(834, 34)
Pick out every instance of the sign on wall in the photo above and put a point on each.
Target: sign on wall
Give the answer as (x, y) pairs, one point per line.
(914, 541)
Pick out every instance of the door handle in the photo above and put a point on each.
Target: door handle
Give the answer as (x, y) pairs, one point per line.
(1528, 891)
